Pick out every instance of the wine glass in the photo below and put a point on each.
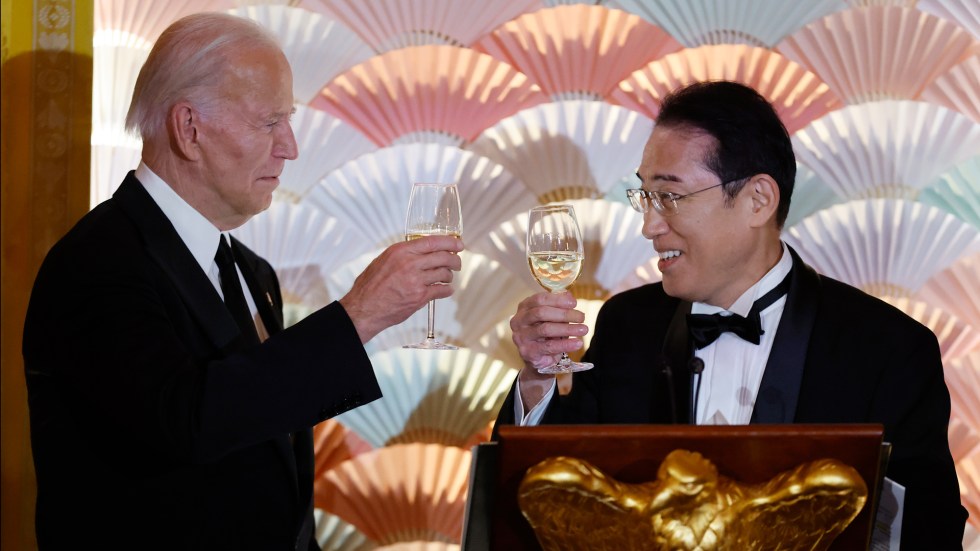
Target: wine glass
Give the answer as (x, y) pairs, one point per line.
(433, 209)
(554, 253)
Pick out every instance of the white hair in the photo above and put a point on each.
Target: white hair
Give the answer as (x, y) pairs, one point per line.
(189, 63)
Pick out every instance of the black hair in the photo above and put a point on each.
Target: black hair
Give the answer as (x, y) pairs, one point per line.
(751, 137)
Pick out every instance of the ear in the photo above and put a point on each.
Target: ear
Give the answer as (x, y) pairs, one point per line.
(763, 199)
(182, 126)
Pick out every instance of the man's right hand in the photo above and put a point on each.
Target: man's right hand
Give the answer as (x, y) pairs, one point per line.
(544, 326)
(402, 279)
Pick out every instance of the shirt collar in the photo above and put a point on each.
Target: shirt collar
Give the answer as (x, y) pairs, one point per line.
(743, 304)
(197, 232)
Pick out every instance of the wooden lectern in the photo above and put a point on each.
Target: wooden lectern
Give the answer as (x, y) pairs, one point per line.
(748, 453)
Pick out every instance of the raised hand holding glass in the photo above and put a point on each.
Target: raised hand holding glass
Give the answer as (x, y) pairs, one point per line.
(433, 209)
(555, 253)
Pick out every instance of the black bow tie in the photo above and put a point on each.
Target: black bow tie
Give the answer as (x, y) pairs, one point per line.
(705, 328)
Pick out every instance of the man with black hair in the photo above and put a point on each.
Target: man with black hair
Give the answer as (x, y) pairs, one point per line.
(741, 330)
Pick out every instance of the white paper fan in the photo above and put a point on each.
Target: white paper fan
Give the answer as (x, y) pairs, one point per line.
(965, 13)
(431, 398)
(114, 71)
(957, 191)
(755, 22)
(956, 337)
(335, 534)
(876, 53)
(305, 37)
(497, 343)
(148, 18)
(302, 244)
(110, 164)
(484, 294)
(577, 51)
(810, 194)
(886, 149)
(614, 247)
(797, 94)
(441, 94)
(371, 192)
(956, 289)
(325, 143)
(568, 149)
(958, 88)
(887, 247)
(403, 493)
(642, 275)
(392, 24)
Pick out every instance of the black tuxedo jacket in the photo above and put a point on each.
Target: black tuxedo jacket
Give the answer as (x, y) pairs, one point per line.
(840, 356)
(153, 425)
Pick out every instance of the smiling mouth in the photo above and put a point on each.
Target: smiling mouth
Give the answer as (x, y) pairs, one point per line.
(667, 255)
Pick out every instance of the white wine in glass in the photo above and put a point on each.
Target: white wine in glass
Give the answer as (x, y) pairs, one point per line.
(433, 209)
(555, 253)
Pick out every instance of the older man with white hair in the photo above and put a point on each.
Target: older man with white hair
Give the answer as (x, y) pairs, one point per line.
(169, 408)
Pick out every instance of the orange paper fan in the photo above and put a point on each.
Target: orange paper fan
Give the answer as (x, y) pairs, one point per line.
(798, 95)
(878, 52)
(333, 443)
(440, 94)
(577, 51)
(392, 24)
(402, 493)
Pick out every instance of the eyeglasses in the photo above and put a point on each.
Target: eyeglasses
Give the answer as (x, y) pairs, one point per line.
(664, 202)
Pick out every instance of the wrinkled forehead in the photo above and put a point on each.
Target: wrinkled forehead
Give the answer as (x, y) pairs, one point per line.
(257, 74)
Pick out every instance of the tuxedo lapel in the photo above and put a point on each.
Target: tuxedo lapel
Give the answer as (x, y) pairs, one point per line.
(677, 355)
(780, 388)
(261, 291)
(173, 257)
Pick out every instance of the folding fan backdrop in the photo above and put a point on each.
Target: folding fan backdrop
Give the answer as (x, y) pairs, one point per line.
(529, 101)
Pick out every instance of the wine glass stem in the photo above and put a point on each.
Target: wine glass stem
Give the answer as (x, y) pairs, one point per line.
(431, 335)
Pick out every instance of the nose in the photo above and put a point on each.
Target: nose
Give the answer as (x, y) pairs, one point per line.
(654, 224)
(286, 143)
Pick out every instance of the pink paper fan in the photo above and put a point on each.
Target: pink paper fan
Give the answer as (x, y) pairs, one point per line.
(958, 88)
(878, 52)
(798, 95)
(956, 337)
(956, 289)
(392, 24)
(441, 93)
(577, 51)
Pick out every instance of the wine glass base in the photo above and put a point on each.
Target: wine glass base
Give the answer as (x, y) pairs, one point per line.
(570, 367)
(431, 344)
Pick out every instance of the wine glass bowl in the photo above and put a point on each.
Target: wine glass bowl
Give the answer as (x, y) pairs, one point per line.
(433, 209)
(555, 252)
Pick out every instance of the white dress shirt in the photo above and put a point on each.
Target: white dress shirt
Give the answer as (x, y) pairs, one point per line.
(197, 232)
(733, 368)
